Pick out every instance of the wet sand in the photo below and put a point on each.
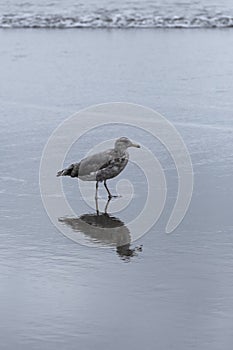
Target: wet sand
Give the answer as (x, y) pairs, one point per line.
(176, 292)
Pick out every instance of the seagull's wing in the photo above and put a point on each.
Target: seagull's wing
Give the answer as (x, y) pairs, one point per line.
(95, 162)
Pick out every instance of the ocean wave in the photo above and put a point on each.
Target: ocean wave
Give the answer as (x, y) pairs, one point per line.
(113, 20)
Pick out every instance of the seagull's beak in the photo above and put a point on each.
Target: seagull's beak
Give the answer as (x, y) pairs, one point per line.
(135, 145)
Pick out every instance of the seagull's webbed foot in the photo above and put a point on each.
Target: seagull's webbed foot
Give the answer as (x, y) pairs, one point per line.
(112, 196)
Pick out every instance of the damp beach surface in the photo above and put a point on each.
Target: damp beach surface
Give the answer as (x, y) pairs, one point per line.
(177, 291)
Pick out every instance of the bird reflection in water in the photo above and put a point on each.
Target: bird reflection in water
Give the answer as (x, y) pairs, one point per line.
(105, 229)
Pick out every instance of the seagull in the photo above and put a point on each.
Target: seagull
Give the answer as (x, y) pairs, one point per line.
(102, 166)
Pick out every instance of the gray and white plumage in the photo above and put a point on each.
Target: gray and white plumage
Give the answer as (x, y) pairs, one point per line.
(102, 166)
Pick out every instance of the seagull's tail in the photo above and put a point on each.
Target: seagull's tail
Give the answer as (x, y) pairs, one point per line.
(72, 171)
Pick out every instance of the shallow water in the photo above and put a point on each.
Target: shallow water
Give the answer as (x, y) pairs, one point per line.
(176, 292)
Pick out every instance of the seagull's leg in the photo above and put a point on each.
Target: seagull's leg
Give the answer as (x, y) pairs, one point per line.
(109, 193)
(96, 190)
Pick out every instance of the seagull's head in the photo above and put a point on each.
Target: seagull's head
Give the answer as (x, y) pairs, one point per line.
(123, 143)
